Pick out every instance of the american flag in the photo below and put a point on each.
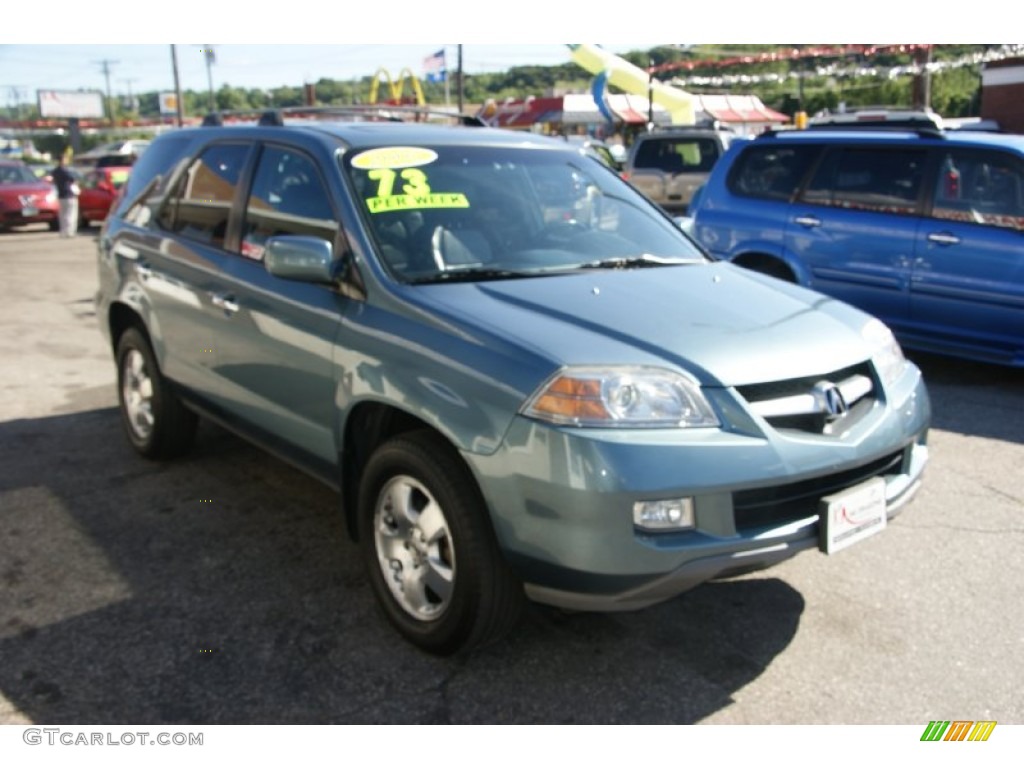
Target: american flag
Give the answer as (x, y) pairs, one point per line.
(435, 67)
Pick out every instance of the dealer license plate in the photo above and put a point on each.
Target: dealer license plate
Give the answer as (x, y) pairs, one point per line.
(852, 515)
(29, 210)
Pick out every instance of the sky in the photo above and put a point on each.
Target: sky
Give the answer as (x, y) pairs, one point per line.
(269, 45)
(143, 68)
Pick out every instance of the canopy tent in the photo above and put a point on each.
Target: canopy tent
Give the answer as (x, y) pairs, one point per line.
(571, 109)
(746, 113)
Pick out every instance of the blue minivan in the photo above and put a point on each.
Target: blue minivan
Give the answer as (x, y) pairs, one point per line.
(923, 229)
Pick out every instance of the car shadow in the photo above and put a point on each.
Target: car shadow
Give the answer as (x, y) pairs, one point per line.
(973, 398)
(222, 589)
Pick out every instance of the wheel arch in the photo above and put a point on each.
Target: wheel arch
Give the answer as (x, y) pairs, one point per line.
(768, 264)
(368, 425)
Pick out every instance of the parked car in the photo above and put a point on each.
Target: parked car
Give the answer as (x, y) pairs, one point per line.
(924, 229)
(100, 188)
(669, 164)
(25, 199)
(585, 411)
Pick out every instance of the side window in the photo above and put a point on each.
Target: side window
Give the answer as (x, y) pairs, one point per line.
(979, 187)
(288, 198)
(678, 156)
(90, 180)
(868, 179)
(771, 172)
(200, 203)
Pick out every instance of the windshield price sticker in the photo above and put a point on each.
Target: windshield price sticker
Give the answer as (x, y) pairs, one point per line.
(393, 157)
(407, 202)
(408, 189)
(852, 515)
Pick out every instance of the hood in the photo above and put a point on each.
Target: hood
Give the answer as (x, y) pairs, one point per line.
(34, 188)
(725, 325)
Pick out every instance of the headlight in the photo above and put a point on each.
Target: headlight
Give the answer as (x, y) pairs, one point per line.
(51, 196)
(620, 397)
(886, 355)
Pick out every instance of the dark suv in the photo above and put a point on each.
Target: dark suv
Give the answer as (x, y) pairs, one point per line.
(923, 229)
(669, 164)
(523, 378)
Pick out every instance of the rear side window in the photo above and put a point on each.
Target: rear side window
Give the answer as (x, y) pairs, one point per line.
(288, 198)
(682, 155)
(869, 179)
(157, 161)
(771, 172)
(979, 187)
(199, 205)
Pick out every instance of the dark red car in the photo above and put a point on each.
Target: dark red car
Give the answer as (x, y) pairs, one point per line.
(24, 199)
(100, 187)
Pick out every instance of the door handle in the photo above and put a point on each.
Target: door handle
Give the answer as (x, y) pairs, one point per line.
(943, 238)
(808, 221)
(224, 301)
(143, 271)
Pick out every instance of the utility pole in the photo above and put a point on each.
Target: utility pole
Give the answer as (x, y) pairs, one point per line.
(458, 77)
(177, 87)
(922, 83)
(131, 99)
(105, 66)
(210, 59)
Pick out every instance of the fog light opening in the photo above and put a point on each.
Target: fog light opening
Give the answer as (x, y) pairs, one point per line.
(664, 514)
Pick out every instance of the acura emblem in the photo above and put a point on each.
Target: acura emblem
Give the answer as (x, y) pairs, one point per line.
(830, 400)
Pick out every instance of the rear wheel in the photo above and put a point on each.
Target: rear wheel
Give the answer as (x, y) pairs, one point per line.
(158, 425)
(429, 550)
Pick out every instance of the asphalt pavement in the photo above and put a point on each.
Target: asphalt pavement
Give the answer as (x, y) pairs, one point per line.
(222, 589)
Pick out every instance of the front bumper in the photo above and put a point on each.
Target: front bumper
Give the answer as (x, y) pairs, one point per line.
(561, 499)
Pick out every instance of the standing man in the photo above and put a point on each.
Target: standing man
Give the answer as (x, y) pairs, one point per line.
(67, 194)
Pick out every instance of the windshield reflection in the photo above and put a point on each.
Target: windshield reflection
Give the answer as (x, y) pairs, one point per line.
(488, 213)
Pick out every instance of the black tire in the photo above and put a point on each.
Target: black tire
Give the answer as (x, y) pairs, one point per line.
(441, 582)
(158, 425)
(54, 225)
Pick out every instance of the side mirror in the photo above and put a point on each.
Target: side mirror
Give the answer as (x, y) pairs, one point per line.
(300, 257)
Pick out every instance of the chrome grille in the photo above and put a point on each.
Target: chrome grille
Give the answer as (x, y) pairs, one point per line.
(823, 404)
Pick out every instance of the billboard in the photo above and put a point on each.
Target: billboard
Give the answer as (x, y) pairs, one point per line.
(168, 103)
(70, 103)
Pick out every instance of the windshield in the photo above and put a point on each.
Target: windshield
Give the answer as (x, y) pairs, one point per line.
(16, 174)
(443, 213)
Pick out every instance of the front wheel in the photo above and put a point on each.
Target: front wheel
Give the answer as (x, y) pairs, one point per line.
(429, 550)
(159, 426)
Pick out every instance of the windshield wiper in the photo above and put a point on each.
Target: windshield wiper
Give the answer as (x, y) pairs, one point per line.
(641, 260)
(472, 274)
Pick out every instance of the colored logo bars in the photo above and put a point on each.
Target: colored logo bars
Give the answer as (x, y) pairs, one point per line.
(958, 730)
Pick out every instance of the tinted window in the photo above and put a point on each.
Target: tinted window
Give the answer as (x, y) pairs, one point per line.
(677, 155)
(979, 187)
(288, 198)
(200, 203)
(157, 161)
(770, 171)
(869, 179)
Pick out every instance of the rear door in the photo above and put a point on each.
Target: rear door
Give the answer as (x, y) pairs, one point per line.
(855, 226)
(181, 269)
(968, 279)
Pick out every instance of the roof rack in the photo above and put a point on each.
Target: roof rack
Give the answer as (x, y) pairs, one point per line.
(923, 131)
(356, 113)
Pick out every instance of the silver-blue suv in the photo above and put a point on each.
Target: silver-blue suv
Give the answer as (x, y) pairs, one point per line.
(523, 379)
